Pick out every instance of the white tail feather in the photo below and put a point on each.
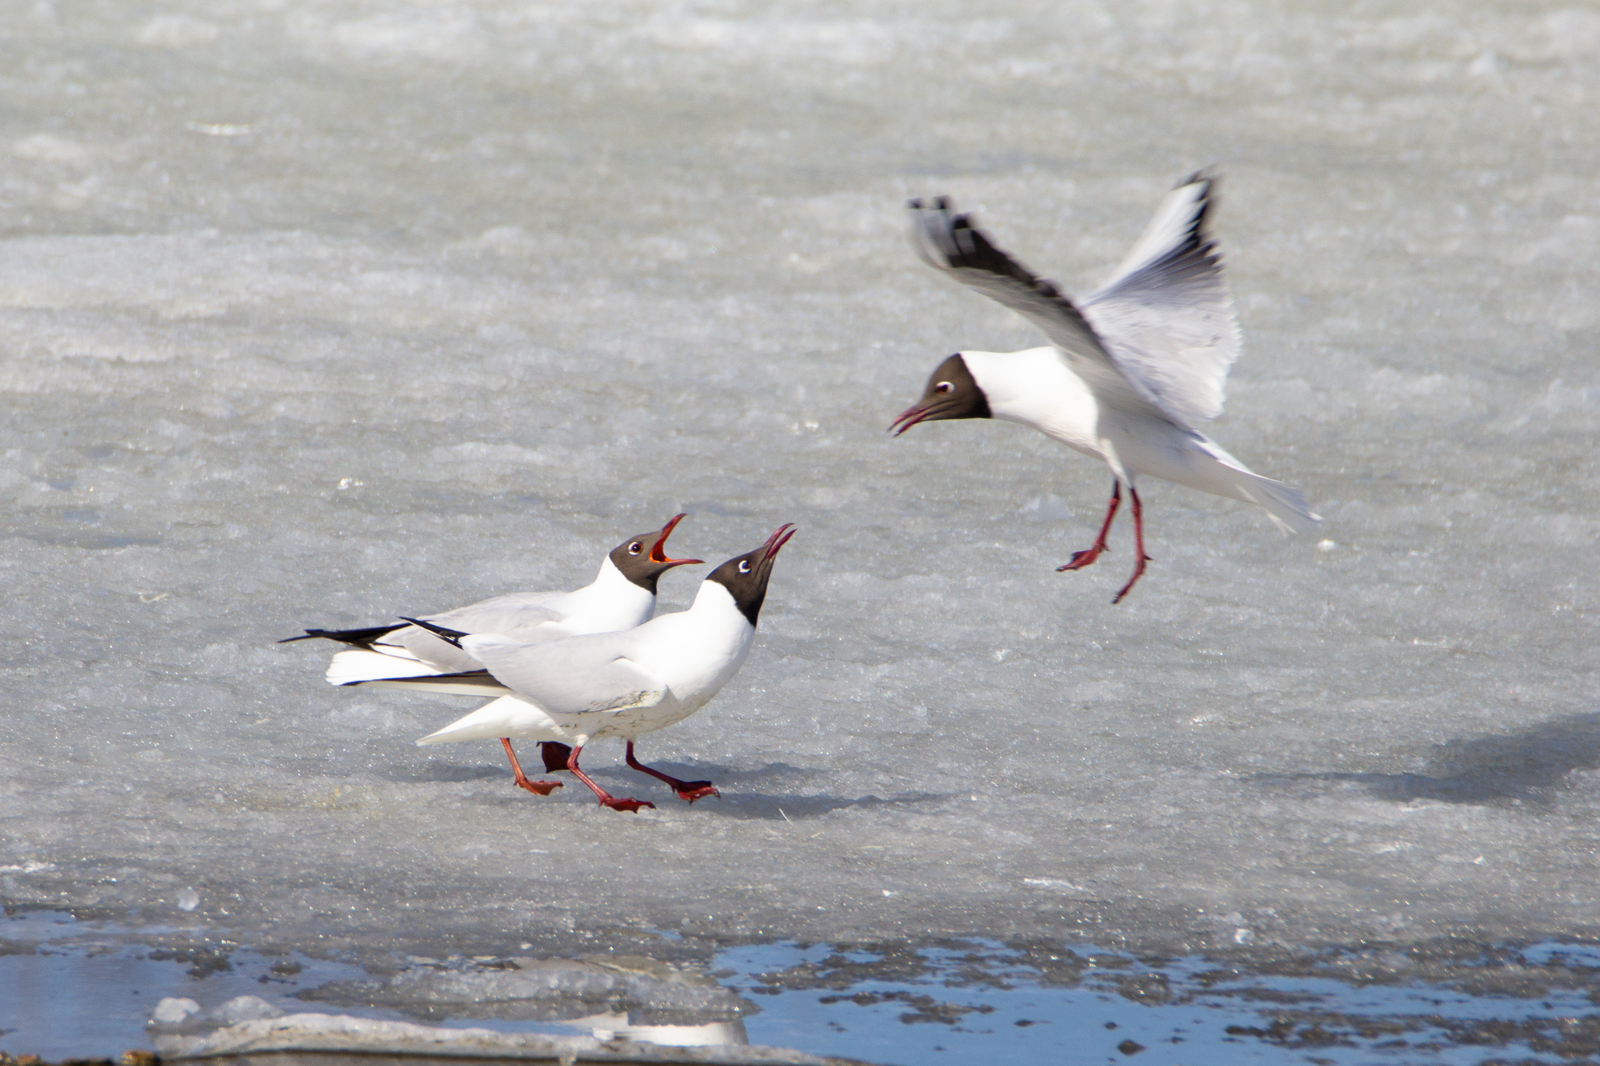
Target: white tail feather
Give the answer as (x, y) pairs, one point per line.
(507, 716)
(355, 665)
(1284, 504)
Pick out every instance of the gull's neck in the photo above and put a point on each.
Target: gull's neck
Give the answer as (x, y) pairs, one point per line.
(612, 585)
(713, 603)
(1036, 388)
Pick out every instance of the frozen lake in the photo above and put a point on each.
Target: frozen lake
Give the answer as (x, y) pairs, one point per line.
(315, 314)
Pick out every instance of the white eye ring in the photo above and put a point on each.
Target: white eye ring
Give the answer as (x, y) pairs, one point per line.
(635, 548)
(943, 386)
(744, 566)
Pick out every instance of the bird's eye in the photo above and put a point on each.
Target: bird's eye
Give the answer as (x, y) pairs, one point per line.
(943, 386)
(744, 566)
(635, 548)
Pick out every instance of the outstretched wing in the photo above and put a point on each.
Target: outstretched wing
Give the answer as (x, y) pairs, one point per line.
(953, 244)
(1165, 315)
(578, 676)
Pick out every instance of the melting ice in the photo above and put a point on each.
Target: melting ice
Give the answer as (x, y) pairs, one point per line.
(318, 314)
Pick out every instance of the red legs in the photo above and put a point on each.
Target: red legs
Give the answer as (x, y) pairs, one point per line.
(1138, 542)
(686, 790)
(606, 799)
(542, 788)
(1089, 555)
(558, 756)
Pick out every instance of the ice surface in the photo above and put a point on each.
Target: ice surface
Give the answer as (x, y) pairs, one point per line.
(536, 989)
(338, 1033)
(316, 314)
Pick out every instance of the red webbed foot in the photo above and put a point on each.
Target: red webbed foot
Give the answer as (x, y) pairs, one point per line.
(689, 791)
(538, 788)
(630, 805)
(1082, 559)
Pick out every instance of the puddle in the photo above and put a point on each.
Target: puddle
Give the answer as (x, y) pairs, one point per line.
(81, 989)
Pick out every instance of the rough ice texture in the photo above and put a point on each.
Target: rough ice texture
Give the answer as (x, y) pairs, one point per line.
(317, 314)
(339, 1033)
(647, 990)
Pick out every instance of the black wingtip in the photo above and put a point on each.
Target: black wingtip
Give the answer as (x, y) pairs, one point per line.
(1208, 175)
(473, 677)
(449, 636)
(358, 638)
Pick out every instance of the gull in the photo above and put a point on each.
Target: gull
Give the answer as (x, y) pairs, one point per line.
(574, 691)
(1128, 372)
(622, 596)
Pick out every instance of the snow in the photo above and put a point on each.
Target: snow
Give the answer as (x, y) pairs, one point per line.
(319, 314)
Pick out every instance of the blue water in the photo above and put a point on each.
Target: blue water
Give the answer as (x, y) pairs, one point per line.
(72, 989)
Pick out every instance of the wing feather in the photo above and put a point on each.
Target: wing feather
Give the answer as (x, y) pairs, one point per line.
(950, 242)
(1165, 314)
(579, 676)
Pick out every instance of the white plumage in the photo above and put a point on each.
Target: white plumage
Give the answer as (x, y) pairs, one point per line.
(410, 655)
(1126, 374)
(623, 684)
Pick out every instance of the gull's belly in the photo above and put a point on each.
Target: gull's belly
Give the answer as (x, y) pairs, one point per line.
(695, 662)
(1157, 448)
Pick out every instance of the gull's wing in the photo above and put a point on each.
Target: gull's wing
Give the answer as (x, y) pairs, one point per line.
(502, 614)
(576, 676)
(953, 244)
(1165, 314)
(518, 615)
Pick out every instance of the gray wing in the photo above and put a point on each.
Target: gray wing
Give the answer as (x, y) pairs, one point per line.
(519, 615)
(1165, 314)
(502, 614)
(578, 676)
(953, 244)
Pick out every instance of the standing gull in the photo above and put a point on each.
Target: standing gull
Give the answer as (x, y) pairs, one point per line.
(622, 596)
(574, 691)
(1126, 374)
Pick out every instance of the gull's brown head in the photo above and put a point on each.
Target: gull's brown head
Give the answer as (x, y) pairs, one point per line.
(643, 559)
(745, 576)
(952, 392)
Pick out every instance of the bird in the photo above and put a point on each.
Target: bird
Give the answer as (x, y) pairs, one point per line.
(572, 692)
(1129, 371)
(622, 596)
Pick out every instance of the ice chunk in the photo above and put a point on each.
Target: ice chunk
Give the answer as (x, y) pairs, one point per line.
(1046, 508)
(342, 1033)
(646, 989)
(174, 1011)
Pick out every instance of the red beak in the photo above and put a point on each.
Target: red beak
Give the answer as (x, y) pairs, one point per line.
(658, 551)
(775, 543)
(908, 418)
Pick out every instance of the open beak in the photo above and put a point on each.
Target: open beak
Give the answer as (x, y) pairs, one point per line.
(775, 543)
(658, 551)
(908, 418)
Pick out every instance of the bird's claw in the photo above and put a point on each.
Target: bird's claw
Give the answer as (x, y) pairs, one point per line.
(690, 791)
(539, 788)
